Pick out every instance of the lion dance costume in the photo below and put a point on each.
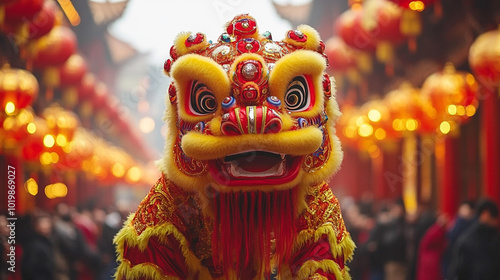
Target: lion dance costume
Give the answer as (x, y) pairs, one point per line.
(250, 143)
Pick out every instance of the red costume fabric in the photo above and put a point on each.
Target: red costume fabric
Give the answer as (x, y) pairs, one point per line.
(168, 205)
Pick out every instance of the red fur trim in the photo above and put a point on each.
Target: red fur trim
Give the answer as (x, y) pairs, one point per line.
(246, 225)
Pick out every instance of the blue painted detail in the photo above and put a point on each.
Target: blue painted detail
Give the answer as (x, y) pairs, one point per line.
(228, 103)
(200, 127)
(225, 38)
(274, 101)
(302, 122)
(267, 35)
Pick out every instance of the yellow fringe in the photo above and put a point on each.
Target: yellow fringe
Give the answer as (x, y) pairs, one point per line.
(309, 268)
(345, 247)
(141, 271)
(128, 234)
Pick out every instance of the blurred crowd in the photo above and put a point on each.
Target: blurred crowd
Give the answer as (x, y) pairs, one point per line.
(75, 243)
(395, 245)
(68, 243)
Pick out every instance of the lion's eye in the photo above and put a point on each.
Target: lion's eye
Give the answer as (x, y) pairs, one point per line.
(201, 101)
(298, 96)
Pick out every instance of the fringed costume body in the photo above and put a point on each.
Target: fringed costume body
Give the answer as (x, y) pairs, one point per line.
(251, 142)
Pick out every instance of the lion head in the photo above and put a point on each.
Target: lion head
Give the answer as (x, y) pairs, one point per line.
(248, 113)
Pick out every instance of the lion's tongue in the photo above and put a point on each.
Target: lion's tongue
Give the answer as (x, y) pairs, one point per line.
(256, 161)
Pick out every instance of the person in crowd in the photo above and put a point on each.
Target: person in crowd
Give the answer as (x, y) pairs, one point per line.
(38, 255)
(476, 254)
(360, 225)
(431, 250)
(394, 243)
(4, 246)
(464, 219)
(84, 219)
(110, 227)
(374, 245)
(417, 225)
(69, 243)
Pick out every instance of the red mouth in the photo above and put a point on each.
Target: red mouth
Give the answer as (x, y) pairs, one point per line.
(255, 168)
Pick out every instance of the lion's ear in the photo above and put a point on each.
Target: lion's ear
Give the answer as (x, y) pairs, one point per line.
(187, 42)
(304, 37)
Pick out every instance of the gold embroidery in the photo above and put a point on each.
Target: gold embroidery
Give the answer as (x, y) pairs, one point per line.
(167, 203)
(187, 165)
(324, 209)
(315, 161)
(317, 276)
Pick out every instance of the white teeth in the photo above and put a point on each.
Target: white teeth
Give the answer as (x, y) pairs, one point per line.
(277, 170)
(282, 156)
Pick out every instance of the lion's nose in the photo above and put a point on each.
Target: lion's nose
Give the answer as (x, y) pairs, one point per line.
(251, 120)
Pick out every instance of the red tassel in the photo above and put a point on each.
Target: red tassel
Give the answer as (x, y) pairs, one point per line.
(246, 230)
(267, 235)
(245, 224)
(215, 234)
(260, 229)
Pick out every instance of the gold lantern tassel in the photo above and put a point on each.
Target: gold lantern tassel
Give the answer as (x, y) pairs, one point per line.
(30, 54)
(70, 97)
(2, 15)
(426, 169)
(22, 34)
(411, 26)
(51, 80)
(364, 62)
(410, 173)
(385, 54)
(86, 111)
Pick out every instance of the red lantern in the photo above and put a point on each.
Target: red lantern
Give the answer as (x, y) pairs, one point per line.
(381, 19)
(342, 62)
(419, 5)
(484, 59)
(348, 27)
(18, 89)
(86, 89)
(22, 10)
(53, 50)
(34, 147)
(43, 21)
(100, 105)
(340, 56)
(62, 122)
(411, 24)
(376, 114)
(70, 76)
(410, 112)
(100, 97)
(73, 71)
(78, 150)
(16, 127)
(347, 127)
(453, 94)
